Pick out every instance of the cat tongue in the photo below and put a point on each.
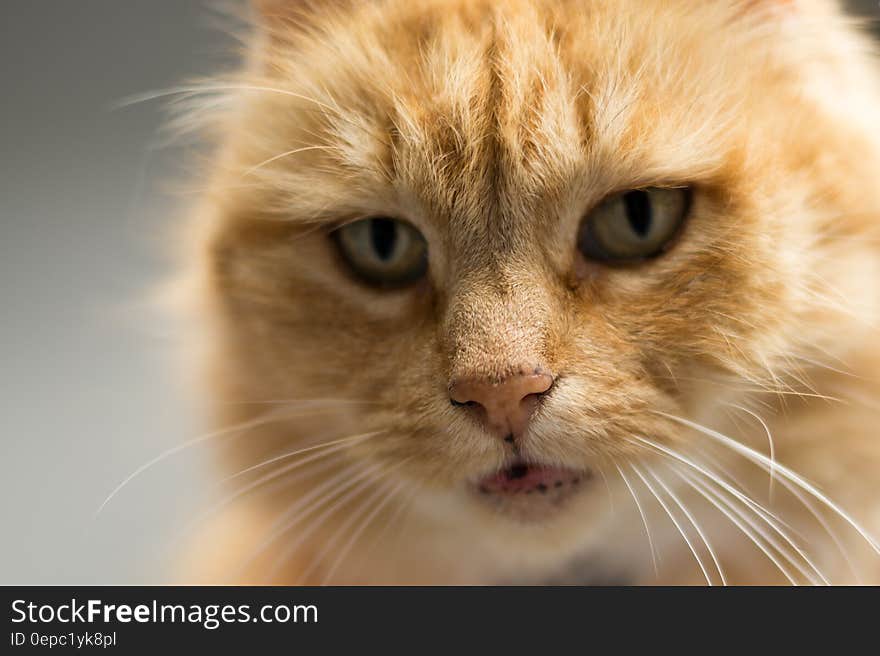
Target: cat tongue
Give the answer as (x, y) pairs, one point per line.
(522, 478)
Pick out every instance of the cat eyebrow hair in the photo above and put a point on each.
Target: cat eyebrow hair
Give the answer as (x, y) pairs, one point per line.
(439, 134)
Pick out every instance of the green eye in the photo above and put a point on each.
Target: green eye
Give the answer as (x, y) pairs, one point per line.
(383, 252)
(634, 225)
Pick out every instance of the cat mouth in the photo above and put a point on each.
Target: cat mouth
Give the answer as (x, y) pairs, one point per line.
(531, 490)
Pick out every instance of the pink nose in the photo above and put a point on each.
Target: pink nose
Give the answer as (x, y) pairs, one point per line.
(508, 405)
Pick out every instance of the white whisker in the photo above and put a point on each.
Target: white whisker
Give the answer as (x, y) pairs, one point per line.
(339, 532)
(325, 450)
(675, 522)
(390, 494)
(644, 519)
(696, 526)
(823, 522)
(762, 512)
(291, 454)
(769, 440)
(347, 492)
(792, 476)
(270, 416)
(308, 503)
(751, 536)
(607, 488)
(398, 517)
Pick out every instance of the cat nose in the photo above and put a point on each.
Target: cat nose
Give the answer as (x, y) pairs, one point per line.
(508, 405)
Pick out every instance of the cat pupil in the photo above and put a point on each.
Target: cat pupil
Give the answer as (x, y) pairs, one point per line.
(638, 211)
(383, 233)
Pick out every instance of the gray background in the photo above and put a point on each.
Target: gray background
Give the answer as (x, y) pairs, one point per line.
(87, 385)
(87, 382)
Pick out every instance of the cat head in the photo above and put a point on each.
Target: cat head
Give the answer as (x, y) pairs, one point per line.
(505, 243)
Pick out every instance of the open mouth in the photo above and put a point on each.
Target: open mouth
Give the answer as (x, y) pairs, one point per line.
(524, 479)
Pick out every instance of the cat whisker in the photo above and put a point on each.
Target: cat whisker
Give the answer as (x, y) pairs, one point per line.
(704, 492)
(385, 494)
(793, 477)
(347, 491)
(268, 417)
(277, 414)
(721, 470)
(766, 515)
(307, 467)
(820, 518)
(341, 528)
(675, 522)
(308, 503)
(396, 518)
(290, 454)
(694, 523)
(317, 403)
(772, 469)
(644, 519)
(777, 526)
(346, 549)
(608, 492)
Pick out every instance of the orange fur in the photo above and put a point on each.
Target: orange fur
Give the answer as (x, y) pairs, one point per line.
(493, 127)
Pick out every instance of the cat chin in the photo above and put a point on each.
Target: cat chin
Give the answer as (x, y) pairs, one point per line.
(526, 545)
(532, 534)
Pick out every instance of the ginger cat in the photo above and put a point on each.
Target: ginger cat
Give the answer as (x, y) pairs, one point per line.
(543, 291)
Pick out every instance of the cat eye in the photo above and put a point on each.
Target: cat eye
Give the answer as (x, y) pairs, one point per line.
(383, 251)
(634, 225)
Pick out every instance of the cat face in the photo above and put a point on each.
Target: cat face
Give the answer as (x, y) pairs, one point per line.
(510, 239)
